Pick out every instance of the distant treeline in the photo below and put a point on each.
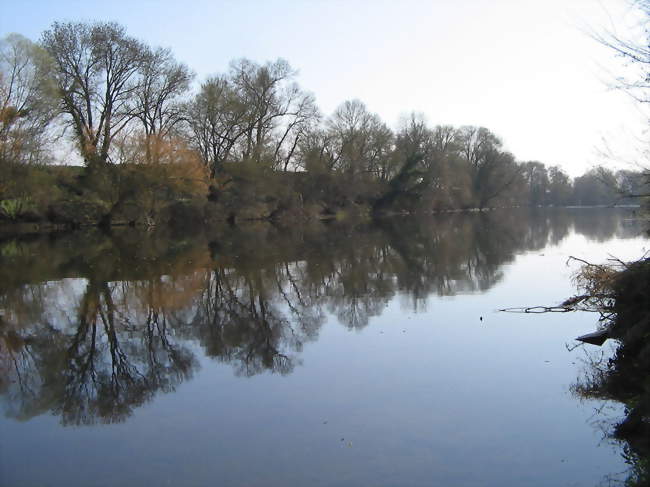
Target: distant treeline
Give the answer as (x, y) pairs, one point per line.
(249, 143)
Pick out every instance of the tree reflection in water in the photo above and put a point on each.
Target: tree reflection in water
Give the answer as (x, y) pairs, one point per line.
(98, 324)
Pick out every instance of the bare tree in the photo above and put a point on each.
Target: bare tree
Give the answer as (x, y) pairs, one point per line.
(492, 170)
(297, 123)
(254, 113)
(27, 100)
(158, 96)
(633, 46)
(96, 72)
(560, 186)
(316, 150)
(438, 176)
(537, 182)
(361, 141)
(218, 119)
(278, 111)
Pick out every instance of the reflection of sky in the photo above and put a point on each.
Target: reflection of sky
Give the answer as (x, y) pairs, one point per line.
(436, 397)
(63, 296)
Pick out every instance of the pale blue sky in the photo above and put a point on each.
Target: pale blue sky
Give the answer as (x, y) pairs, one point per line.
(523, 68)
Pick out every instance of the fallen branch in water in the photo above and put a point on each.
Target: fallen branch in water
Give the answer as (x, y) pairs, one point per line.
(545, 309)
(596, 281)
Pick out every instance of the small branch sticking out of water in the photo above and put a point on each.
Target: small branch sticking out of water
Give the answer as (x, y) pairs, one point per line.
(539, 309)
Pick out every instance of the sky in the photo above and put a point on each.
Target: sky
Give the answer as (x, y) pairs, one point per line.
(525, 69)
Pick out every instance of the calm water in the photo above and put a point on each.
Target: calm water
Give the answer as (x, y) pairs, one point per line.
(333, 355)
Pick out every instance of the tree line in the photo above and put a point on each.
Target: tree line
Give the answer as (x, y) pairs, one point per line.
(247, 143)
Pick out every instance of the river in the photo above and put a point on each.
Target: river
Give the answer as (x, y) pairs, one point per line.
(325, 354)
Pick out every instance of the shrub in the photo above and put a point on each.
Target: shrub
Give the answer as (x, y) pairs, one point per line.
(14, 208)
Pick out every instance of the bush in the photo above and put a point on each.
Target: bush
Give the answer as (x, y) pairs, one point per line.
(14, 208)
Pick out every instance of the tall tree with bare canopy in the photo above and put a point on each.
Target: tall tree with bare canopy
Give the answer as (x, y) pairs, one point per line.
(97, 67)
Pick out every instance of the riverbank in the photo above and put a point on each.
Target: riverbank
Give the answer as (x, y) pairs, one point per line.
(49, 198)
(45, 198)
(621, 295)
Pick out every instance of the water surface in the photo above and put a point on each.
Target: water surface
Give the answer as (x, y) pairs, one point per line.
(326, 354)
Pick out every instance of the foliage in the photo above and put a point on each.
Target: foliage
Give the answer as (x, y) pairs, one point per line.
(155, 172)
(14, 208)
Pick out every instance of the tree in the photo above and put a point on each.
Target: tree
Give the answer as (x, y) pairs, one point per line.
(217, 119)
(97, 68)
(27, 101)
(157, 96)
(277, 110)
(630, 184)
(595, 187)
(475, 143)
(360, 140)
(426, 168)
(254, 113)
(414, 137)
(158, 172)
(560, 187)
(537, 183)
(492, 170)
(634, 49)
(297, 126)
